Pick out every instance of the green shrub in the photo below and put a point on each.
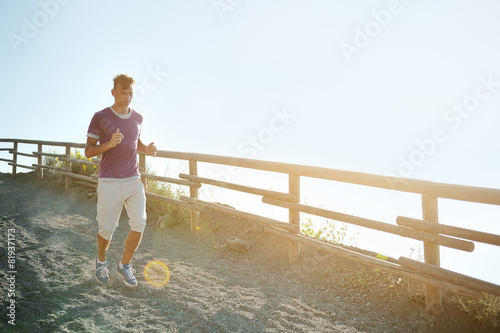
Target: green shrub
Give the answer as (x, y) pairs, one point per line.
(329, 230)
(82, 169)
(156, 209)
(485, 311)
(76, 168)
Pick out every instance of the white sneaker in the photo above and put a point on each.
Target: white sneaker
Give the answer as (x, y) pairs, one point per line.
(101, 272)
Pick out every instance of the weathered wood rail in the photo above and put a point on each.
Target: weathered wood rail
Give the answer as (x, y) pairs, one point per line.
(428, 229)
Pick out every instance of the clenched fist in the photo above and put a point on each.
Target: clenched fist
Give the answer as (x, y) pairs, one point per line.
(151, 149)
(116, 138)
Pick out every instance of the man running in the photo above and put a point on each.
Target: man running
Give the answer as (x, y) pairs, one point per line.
(115, 133)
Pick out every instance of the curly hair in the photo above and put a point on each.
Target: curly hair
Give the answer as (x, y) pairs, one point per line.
(123, 80)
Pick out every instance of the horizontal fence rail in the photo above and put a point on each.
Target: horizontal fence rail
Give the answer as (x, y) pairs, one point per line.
(428, 229)
(376, 225)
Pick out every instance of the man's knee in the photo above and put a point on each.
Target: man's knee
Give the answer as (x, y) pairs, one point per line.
(106, 232)
(137, 225)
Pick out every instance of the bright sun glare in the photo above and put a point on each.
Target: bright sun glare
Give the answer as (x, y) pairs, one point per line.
(156, 273)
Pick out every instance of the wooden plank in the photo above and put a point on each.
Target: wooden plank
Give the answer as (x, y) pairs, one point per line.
(39, 171)
(21, 154)
(238, 213)
(294, 215)
(74, 175)
(78, 161)
(6, 160)
(433, 295)
(465, 193)
(14, 158)
(193, 193)
(67, 180)
(376, 225)
(449, 230)
(450, 276)
(241, 188)
(441, 190)
(375, 262)
(44, 166)
(172, 201)
(142, 167)
(171, 180)
(47, 143)
(48, 154)
(85, 183)
(22, 166)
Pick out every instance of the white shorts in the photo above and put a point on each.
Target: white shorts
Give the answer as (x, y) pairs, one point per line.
(112, 195)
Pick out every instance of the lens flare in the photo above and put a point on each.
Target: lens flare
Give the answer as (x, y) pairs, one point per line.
(156, 273)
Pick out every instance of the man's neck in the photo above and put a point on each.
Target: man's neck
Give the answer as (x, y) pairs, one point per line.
(121, 109)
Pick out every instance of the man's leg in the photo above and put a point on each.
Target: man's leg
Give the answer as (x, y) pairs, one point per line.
(124, 267)
(136, 210)
(102, 248)
(131, 244)
(109, 207)
(101, 267)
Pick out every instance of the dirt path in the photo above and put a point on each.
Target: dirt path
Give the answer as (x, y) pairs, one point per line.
(212, 288)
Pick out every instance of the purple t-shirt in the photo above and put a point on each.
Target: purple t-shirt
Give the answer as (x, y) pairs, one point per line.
(120, 161)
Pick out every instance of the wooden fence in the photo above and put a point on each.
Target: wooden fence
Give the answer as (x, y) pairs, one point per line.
(428, 230)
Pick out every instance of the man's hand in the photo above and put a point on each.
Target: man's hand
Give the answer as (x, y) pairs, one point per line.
(116, 139)
(93, 149)
(151, 149)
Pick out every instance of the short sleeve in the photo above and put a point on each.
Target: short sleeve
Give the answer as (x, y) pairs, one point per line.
(94, 130)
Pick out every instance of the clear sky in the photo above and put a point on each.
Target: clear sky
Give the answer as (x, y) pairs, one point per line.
(405, 88)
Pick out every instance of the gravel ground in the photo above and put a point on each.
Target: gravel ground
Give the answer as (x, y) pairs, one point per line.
(213, 287)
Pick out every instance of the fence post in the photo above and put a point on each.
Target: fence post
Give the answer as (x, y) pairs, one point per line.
(14, 158)
(193, 193)
(39, 171)
(67, 179)
(142, 167)
(98, 167)
(294, 215)
(433, 295)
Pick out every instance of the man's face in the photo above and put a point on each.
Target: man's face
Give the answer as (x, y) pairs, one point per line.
(123, 96)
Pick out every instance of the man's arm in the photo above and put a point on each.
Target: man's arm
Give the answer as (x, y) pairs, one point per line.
(149, 149)
(93, 149)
